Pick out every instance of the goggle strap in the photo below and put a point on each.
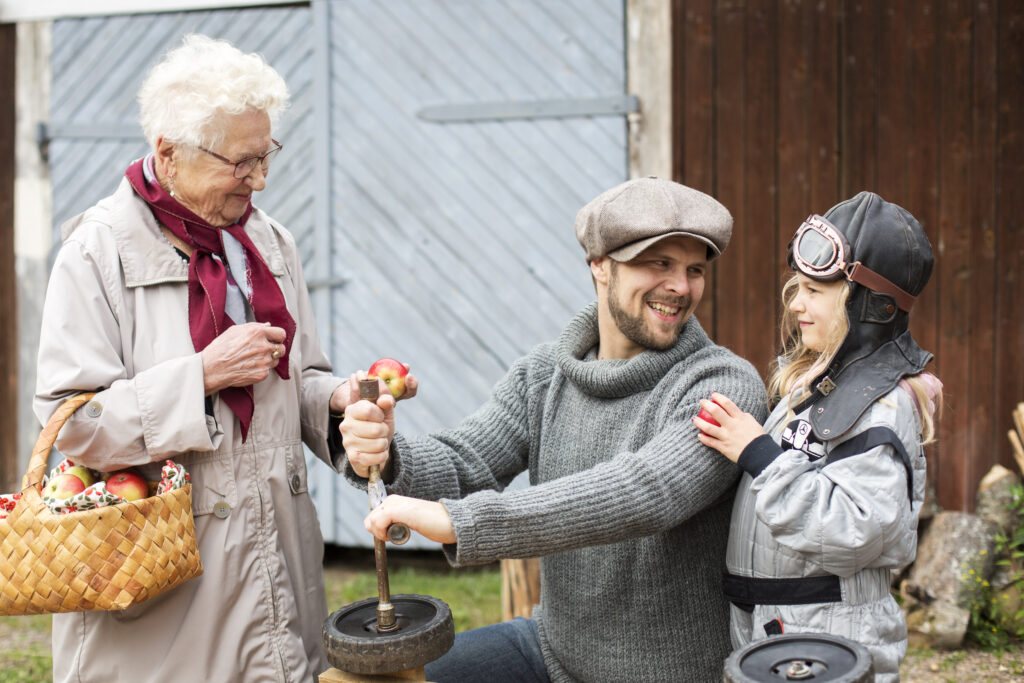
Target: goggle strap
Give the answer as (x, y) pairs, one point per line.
(863, 275)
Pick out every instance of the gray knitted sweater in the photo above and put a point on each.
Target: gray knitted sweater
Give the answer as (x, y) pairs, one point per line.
(628, 511)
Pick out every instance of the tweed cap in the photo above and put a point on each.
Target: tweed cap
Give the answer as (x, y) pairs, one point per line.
(628, 218)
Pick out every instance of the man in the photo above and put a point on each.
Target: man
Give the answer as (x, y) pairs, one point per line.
(627, 510)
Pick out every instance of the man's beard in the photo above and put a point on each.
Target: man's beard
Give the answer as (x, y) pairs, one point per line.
(634, 327)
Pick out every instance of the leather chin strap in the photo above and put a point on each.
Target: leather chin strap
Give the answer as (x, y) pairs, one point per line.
(863, 275)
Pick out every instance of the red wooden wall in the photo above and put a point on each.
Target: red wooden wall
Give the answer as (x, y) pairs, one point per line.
(782, 109)
(10, 477)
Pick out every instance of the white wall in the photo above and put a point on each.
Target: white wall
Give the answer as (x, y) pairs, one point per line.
(32, 215)
(649, 77)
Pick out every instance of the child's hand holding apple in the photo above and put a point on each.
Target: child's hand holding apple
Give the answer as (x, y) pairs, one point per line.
(724, 427)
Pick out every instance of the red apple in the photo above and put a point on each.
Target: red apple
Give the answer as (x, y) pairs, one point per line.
(64, 486)
(128, 484)
(82, 473)
(392, 372)
(706, 416)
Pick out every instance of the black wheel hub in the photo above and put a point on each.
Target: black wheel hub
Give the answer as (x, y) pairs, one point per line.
(424, 632)
(814, 657)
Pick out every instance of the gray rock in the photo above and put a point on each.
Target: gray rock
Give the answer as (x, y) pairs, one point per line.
(954, 558)
(931, 506)
(995, 495)
(938, 625)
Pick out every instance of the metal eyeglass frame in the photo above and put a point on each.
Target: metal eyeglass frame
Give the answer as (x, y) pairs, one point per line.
(249, 163)
(840, 250)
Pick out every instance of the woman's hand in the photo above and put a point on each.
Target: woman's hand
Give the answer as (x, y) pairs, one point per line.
(737, 428)
(430, 519)
(242, 355)
(366, 432)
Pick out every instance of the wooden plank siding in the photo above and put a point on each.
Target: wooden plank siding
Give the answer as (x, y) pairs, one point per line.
(1009, 218)
(1009, 232)
(10, 474)
(783, 109)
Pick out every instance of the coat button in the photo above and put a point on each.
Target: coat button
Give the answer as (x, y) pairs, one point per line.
(295, 482)
(93, 408)
(221, 509)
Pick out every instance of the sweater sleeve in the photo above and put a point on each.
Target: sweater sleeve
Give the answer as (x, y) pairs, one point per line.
(849, 514)
(662, 484)
(486, 451)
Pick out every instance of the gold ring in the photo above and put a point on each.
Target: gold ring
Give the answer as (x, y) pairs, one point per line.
(275, 354)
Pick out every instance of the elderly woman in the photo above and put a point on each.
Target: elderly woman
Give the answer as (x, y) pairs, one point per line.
(185, 307)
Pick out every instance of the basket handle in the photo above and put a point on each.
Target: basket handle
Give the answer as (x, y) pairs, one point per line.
(47, 437)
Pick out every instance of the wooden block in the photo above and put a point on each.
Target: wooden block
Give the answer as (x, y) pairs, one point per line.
(1018, 448)
(337, 676)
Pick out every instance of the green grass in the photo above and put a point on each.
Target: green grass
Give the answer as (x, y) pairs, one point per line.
(26, 667)
(950, 661)
(25, 653)
(474, 596)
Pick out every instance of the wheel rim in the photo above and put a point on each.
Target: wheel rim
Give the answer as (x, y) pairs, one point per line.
(359, 620)
(813, 657)
(353, 644)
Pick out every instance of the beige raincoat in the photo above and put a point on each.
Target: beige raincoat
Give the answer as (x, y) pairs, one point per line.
(115, 320)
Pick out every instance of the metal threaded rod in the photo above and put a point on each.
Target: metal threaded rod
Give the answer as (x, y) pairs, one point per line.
(369, 391)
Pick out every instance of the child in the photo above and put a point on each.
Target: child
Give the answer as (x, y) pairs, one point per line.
(833, 482)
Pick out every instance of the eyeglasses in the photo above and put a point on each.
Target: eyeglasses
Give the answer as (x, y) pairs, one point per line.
(244, 167)
(821, 252)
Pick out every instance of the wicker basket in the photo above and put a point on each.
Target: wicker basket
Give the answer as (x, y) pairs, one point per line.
(107, 558)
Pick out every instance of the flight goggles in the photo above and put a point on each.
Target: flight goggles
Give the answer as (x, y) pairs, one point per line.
(821, 252)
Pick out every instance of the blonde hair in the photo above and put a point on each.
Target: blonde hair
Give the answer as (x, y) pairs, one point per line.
(797, 364)
(926, 390)
(186, 95)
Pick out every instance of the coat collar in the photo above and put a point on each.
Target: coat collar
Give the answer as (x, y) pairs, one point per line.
(147, 258)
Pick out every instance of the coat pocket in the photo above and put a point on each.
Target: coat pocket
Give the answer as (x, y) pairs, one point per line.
(213, 481)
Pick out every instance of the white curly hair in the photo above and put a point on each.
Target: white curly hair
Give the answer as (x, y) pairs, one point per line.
(185, 97)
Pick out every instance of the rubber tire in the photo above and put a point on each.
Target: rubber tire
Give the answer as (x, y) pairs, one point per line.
(833, 658)
(426, 632)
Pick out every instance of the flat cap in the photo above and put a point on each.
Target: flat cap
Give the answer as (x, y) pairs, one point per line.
(628, 218)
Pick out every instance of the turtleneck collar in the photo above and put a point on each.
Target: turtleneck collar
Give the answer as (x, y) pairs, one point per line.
(618, 377)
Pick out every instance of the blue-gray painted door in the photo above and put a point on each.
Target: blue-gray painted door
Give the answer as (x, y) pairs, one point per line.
(446, 245)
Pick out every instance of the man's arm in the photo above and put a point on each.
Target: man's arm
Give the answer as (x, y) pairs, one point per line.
(637, 493)
(486, 451)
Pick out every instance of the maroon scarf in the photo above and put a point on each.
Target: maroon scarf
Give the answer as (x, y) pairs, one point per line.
(207, 281)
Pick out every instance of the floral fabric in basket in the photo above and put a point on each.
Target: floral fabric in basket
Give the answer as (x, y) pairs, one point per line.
(173, 476)
(7, 503)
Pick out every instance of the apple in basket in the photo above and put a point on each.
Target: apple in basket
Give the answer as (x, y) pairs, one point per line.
(128, 484)
(64, 486)
(82, 473)
(392, 372)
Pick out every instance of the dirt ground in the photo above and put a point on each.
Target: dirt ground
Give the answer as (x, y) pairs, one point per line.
(921, 665)
(959, 666)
